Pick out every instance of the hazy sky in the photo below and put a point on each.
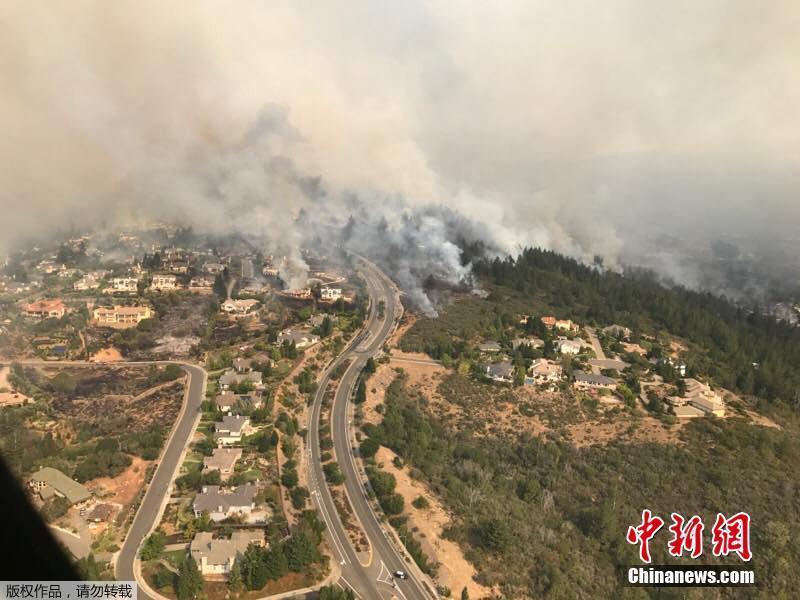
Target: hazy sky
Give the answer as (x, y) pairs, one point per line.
(584, 126)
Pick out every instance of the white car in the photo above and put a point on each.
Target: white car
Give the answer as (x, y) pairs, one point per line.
(400, 574)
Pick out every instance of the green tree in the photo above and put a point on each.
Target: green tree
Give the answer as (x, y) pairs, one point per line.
(254, 571)
(235, 578)
(392, 504)
(464, 594)
(333, 592)
(300, 551)
(153, 546)
(361, 392)
(189, 583)
(275, 563)
(369, 447)
(88, 568)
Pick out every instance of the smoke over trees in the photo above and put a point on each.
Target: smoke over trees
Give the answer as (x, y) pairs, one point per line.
(592, 131)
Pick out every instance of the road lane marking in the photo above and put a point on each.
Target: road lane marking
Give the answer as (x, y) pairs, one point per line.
(341, 577)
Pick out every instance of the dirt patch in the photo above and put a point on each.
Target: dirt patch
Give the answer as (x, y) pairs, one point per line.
(123, 488)
(376, 390)
(9, 397)
(106, 355)
(406, 322)
(428, 523)
(645, 429)
(676, 347)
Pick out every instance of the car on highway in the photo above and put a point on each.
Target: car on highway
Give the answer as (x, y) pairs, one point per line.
(401, 574)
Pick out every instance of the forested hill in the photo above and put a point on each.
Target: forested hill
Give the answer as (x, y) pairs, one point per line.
(744, 351)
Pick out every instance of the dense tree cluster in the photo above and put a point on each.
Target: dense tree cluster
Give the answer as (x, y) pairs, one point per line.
(741, 349)
(257, 566)
(568, 507)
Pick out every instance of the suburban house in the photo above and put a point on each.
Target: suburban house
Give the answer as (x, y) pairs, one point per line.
(212, 268)
(242, 364)
(239, 308)
(548, 321)
(533, 342)
(49, 482)
(490, 347)
(123, 285)
(121, 317)
(590, 382)
(216, 556)
(224, 503)
(201, 285)
(543, 371)
(45, 309)
(684, 410)
(231, 430)
(301, 339)
(231, 377)
(619, 332)
(164, 282)
(700, 396)
(300, 294)
(566, 325)
(87, 282)
(330, 294)
(501, 372)
(222, 460)
(565, 346)
(227, 400)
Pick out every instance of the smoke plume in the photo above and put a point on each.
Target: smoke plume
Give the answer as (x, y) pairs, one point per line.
(637, 132)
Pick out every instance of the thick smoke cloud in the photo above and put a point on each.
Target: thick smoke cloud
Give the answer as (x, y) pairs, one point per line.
(637, 132)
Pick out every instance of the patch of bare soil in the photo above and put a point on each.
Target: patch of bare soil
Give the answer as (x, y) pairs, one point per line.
(626, 428)
(376, 390)
(106, 355)
(406, 323)
(428, 524)
(8, 396)
(123, 488)
(676, 347)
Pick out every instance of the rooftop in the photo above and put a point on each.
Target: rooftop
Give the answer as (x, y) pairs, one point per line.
(213, 498)
(69, 488)
(223, 551)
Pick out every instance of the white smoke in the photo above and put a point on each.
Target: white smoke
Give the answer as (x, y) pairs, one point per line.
(585, 128)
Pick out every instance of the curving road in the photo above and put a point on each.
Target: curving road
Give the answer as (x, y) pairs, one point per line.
(373, 581)
(158, 489)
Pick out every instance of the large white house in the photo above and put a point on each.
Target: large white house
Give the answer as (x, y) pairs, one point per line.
(239, 308)
(216, 557)
(123, 285)
(330, 294)
(164, 282)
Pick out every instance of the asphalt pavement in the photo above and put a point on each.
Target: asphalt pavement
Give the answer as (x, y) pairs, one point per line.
(373, 581)
(158, 488)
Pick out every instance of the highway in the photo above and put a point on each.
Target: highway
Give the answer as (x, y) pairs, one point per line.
(373, 581)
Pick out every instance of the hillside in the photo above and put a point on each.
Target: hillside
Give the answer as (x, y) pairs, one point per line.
(543, 515)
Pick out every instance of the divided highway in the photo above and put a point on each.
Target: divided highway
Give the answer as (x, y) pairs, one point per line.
(373, 581)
